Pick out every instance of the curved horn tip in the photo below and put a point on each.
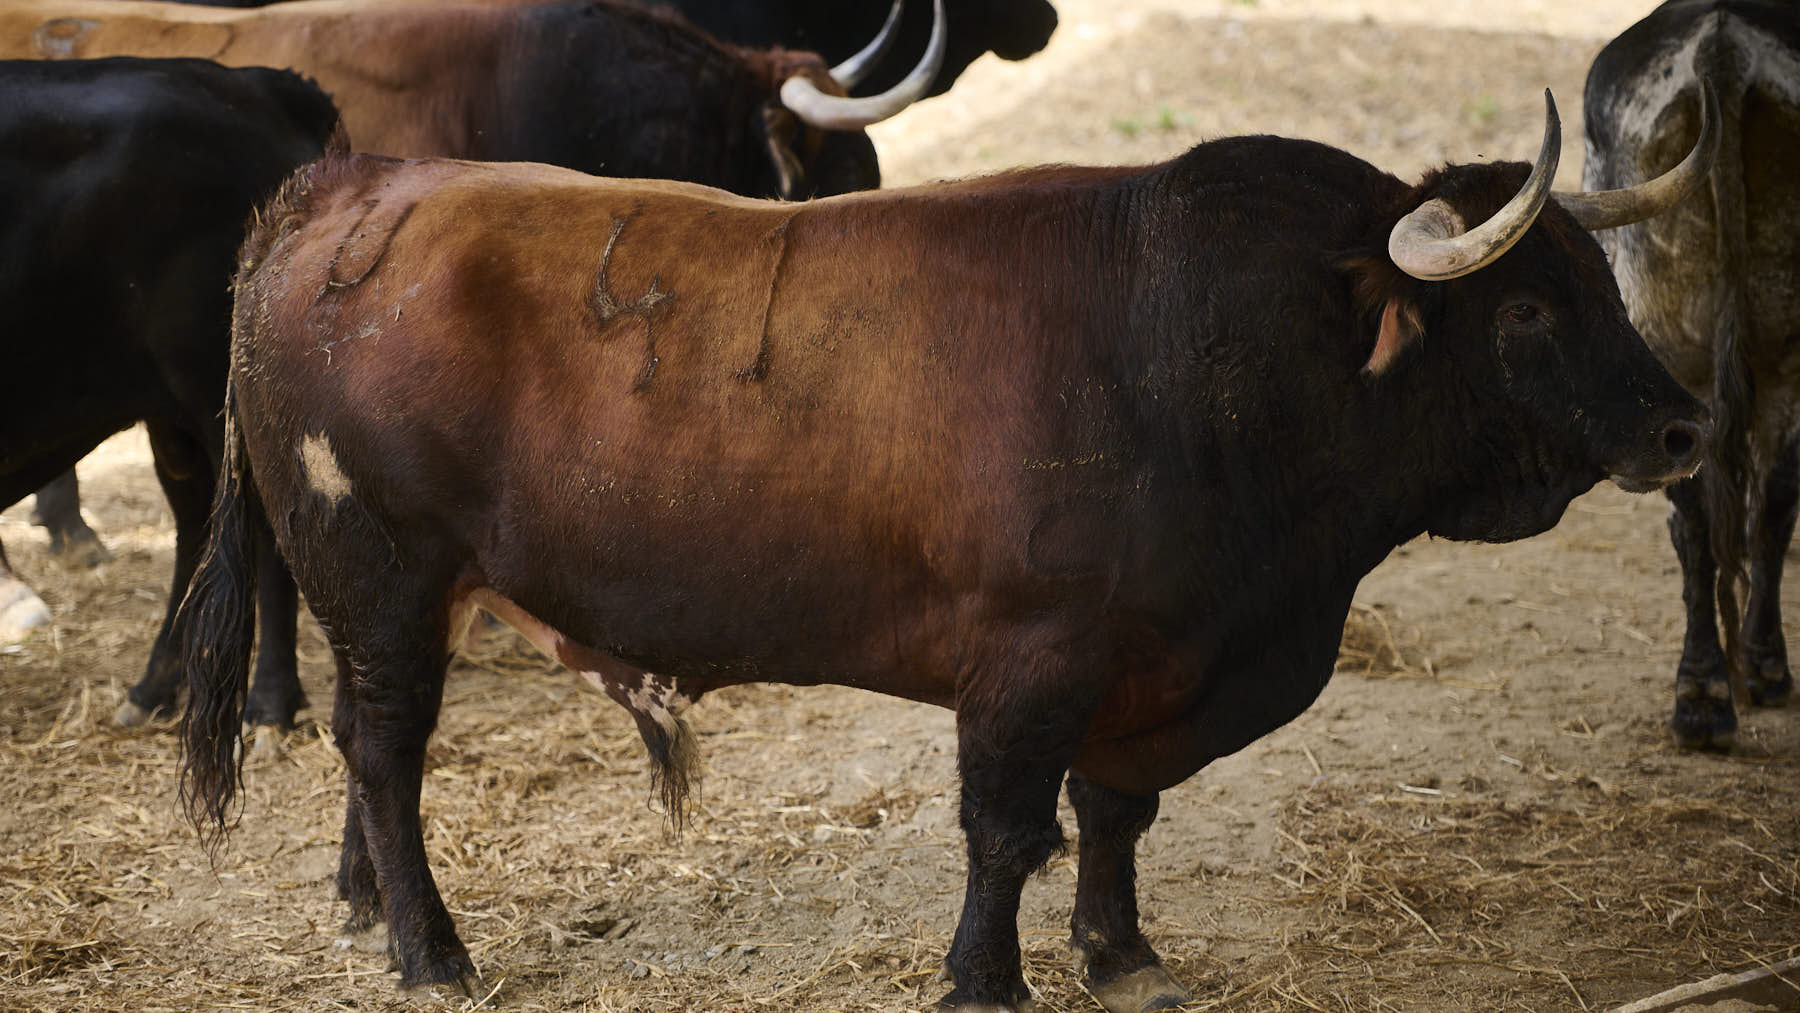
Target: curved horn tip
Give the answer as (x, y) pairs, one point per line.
(1431, 244)
(851, 72)
(832, 112)
(1552, 120)
(1608, 209)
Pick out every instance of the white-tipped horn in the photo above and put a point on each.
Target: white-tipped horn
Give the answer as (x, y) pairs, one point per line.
(1432, 244)
(850, 73)
(1609, 209)
(835, 112)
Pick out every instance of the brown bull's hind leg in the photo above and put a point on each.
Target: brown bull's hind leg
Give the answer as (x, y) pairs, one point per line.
(1703, 718)
(1772, 527)
(1117, 965)
(387, 708)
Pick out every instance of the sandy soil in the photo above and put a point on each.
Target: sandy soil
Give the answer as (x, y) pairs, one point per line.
(1492, 818)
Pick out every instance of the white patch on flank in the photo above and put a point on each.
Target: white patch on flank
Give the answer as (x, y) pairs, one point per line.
(322, 471)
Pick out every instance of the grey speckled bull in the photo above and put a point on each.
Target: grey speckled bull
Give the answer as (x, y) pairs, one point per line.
(1714, 286)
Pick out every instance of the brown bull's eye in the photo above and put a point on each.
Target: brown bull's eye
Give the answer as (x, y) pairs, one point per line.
(1521, 313)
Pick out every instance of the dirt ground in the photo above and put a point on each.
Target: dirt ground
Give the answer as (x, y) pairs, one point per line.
(1483, 812)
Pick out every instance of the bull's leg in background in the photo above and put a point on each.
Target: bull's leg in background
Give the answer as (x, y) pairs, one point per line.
(1118, 966)
(57, 509)
(1771, 528)
(185, 469)
(275, 694)
(1704, 718)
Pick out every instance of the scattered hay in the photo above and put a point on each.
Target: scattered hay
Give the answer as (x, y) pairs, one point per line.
(1371, 649)
(1600, 887)
(67, 944)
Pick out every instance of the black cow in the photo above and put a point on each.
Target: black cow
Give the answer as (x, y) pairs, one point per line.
(1715, 289)
(125, 185)
(1045, 447)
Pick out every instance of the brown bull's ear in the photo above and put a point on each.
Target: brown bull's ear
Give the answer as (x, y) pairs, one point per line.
(1385, 299)
(780, 128)
(1400, 326)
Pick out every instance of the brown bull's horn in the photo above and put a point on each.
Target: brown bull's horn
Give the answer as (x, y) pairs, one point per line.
(850, 73)
(1432, 244)
(1609, 209)
(834, 112)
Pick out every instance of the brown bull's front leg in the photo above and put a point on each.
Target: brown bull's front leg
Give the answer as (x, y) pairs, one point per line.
(1013, 748)
(1117, 965)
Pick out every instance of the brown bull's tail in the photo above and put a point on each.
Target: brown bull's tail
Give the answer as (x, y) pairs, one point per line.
(1727, 473)
(218, 616)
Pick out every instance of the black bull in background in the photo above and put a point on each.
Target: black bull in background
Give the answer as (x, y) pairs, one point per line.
(601, 87)
(1714, 286)
(1095, 457)
(124, 188)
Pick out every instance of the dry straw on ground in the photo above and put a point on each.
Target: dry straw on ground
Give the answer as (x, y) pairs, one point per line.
(1376, 893)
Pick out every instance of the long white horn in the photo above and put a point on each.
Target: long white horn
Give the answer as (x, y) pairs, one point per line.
(1432, 244)
(835, 112)
(1609, 209)
(850, 73)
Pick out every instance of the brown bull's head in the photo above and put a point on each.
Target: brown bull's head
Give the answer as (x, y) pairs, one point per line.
(1562, 361)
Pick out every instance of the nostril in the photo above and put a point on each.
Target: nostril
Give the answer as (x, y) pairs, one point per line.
(1682, 439)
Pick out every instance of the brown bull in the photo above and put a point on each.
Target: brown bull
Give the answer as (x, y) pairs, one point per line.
(1095, 457)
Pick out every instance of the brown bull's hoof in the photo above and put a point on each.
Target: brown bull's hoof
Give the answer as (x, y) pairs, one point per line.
(455, 975)
(1141, 991)
(266, 744)
(470, 986)
(370, 938)
(130, 715)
